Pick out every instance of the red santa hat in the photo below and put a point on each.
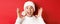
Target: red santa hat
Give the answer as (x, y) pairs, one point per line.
(28, 3)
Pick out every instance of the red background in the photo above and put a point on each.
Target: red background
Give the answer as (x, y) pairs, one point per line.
(51, 10)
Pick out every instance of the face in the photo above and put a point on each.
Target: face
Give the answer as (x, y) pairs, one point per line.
(29, 10)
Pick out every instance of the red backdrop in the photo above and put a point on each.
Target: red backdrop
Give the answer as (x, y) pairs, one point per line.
(51, 10)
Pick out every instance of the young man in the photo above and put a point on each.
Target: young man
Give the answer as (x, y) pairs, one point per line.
(28, 17)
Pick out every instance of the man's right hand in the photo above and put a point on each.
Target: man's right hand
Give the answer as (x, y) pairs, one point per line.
(18, 12)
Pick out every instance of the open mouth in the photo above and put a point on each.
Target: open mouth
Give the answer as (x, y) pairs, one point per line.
(29, 13)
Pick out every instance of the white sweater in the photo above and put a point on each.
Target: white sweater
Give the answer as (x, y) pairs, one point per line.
(30, 20)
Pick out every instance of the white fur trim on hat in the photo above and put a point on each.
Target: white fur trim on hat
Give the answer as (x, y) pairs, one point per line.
(29, 3)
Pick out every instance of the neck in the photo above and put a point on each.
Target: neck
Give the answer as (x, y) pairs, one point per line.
(29, 15)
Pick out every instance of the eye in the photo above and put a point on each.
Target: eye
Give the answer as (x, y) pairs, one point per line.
(26, 7)
(31, 7)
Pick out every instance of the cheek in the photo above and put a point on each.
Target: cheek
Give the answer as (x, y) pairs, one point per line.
(32, 10)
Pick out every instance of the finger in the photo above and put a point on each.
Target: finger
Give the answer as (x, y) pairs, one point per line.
(18, 11)
(40, 11)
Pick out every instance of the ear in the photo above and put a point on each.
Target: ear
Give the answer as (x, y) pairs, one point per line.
(40, 11)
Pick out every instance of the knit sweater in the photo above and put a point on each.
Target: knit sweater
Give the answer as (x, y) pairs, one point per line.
(30, 20)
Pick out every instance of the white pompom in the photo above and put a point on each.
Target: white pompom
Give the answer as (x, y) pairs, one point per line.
(23, 13)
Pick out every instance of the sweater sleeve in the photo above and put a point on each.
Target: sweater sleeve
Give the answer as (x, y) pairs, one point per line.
(40, 20)
(18, 20)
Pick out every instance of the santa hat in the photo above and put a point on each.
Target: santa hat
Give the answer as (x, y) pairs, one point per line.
(28, 3)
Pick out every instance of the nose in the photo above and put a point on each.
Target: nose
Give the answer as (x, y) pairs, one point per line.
(29, 10)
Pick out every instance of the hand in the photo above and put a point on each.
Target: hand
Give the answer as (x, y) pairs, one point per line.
(18, 13)
(40, 12)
